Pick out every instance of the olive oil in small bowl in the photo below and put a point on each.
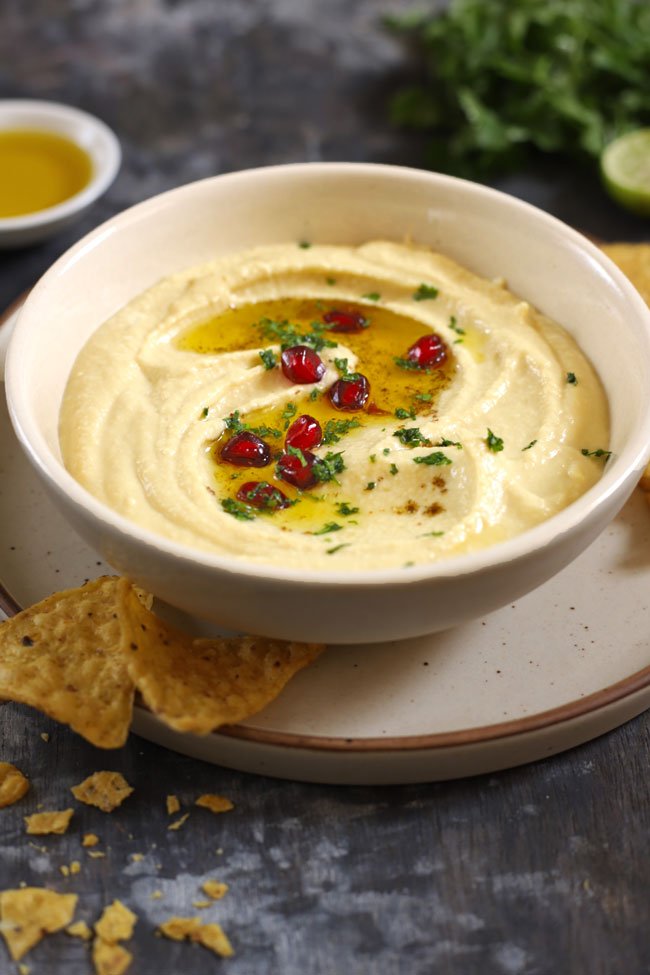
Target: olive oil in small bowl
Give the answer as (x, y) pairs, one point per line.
(54, 162)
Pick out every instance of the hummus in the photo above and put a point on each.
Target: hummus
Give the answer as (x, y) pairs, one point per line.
(507, 429)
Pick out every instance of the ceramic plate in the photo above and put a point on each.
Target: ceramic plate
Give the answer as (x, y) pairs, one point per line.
(564, 664)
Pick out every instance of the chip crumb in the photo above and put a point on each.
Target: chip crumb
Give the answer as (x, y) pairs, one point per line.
(65, 870)
(44, 736)
(216, 804)
(13, 784)
(110, 959)
(116, 923)
(106, 790)
(23, 969)
(215, 889)
(137, 857)
(155, 895)
(90, 839)
(211, 936)
(173, 805)
(96, 854)
(31, 912)
(201, 904)
(43, 823)
(75, 867)
(179, 822)
(79, 930)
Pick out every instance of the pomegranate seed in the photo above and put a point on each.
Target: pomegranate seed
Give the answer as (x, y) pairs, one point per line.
(429, 352)
(305, 432)
(261, 494)
(244, 449)
(300, 364)
(350, 392)
(292, 469)
(345, 321)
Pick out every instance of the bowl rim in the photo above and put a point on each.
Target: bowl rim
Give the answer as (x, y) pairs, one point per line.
(616, 476)
(27, 112)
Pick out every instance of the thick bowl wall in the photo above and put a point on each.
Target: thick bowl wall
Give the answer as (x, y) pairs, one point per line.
(496, 236)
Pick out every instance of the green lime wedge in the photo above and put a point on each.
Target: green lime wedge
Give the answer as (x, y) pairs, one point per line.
(625, 166)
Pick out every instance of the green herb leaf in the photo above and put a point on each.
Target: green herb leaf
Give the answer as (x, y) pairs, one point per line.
(403, 414)
(238, 509)
(305, 244)
(455, 327)
(494, 443)
(342, 366)
(425, 292)
(393, 468)
(443, 442)
(335, 429)
(337, 548)
(372, 296)
(204, 412)
(425, 397)
(412, 437)
(436, 459)
(327, 468)
(330, 526)
(596, 453)
(287, 335)
(234, 423)
(330, 281)
(297, 452)
(269, 358)
(529, 445)
(571, 378)
(346, 509)
(370, 486)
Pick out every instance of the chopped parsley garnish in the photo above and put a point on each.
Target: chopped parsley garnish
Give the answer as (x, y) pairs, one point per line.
(372, 296)
(436, 459)
(335, 429)
(305, 244)
(342, 366)
(234, 423)
(571, 378)
(425, 397)
(394, 468)
(386, 451)
(431, 534)
(271, 500)
(269, 358)
(204, 412)
(455, 327)
(337, 548)
(449, 443)
(330, 526)
(288, 412)
(370, 486)
(313, 395)
(297, 452)
(424, 292)
(330, 281)
(373, 458)
(494, 443)
(403, 414)
(288, 335)
(596, 453)
(412, 437)
(237, 509)
(346, 509)
(529, 445)
(326, 468)
(413, 367)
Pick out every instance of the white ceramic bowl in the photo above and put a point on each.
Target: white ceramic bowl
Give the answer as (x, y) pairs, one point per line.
(89, 134)
(549, 264)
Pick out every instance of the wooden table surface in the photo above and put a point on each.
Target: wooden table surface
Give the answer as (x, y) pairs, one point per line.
(541, 870)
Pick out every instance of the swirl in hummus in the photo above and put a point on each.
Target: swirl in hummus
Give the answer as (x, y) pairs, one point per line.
(510, 430)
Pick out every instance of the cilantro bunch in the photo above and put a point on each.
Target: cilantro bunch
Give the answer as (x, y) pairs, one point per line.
(501, 78)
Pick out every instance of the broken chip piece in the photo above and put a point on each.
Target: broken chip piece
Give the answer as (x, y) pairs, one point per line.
(106, 790)
(29, 913)
(79, 930)
(62, 656)
(13, 784)
(116, 923)
(110, 959)
(43, 823)
(197, 684)
(214, 889)
(211, 936)
(216, 804)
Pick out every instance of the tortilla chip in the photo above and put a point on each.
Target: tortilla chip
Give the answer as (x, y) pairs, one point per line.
(634, 262)
(79, 930)
(63, 657)
(43, 823)
(212, 936)
(179, 822)
(173, 805)
(116, 923)
(110, 959)
(13, 784)
(31, 912)
(198, 685)
(192, 928)
(201, 904)
(216, 804)
(215, 889)
(179, 928)
(90, 839)
(106, 790)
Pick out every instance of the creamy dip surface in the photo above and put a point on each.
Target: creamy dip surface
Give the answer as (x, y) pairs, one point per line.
(508, 428)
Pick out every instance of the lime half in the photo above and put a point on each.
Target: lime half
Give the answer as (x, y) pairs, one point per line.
(625, 165)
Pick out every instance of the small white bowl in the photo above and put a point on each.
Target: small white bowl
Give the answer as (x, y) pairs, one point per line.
(91, 135)
(548, 263)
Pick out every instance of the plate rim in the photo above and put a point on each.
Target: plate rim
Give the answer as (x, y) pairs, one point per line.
(482, 734)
